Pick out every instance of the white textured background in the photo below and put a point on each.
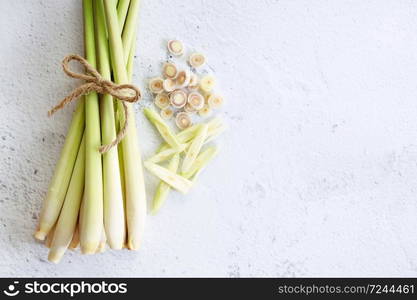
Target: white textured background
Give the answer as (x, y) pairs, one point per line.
(317, 175)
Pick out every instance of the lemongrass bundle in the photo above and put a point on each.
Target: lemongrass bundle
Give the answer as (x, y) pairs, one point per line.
(96, 199)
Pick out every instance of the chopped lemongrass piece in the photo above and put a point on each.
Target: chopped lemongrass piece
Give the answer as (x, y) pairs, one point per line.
(167, 113)
(201, 161)
(196, 100)
(163, 188)
(189, 133)
(162, 100)
(183, 120)
(215, 101)
(169, 70)
(193, 84)
(207, 83)
(205, 111)
(188, 108)
(156, 85)
(214, 132)
(163, 155)
(178, 98)
(194, 148)
(163, 129)
(183, 78)
(175, 47)
(176, 181)
(169, 85)
(196, 60)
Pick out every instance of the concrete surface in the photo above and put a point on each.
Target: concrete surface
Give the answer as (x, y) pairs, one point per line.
(317, 175)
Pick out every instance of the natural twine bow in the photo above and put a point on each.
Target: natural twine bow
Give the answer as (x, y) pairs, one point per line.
(96, 83)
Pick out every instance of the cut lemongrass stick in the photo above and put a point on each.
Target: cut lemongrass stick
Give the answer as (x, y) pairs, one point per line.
(122, 8)
(114, 217)
(194, 148)
(163, 129)
(129, 29)
(50, 237)
(188, 134)
(58, 187)
(75, 239)
(176, 181)
(90, 231)
(163, 155)
(134, 181)
(163, 188)
(201, 161)
(67, 222)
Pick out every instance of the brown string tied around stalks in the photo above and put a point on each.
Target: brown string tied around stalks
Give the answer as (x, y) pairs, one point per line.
(96, 83)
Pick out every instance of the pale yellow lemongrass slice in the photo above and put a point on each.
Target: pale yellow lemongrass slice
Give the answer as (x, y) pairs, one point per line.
(183, 120)
(156, 85)
(169, 70)
(195, 100)
(196, 60)
(215, 101)
(183, 78)
(178, 98)
(162, 100)
(175, 47)
(169, 85)
(167, 113)
(205, 111)
(207, 83)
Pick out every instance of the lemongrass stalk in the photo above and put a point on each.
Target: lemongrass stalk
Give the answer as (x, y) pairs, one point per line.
(50, 237)
(129, 29)
(67, 222)
(90, 232)
(114, 216)
(134, 180)
(75, 238)
(176, 181)
(201, 162)
(163, 129)
(58, 187)
(122, 8)
(163, 188)
(194, 148)
(102, 246)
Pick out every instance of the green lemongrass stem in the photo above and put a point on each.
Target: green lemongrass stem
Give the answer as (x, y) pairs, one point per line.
(176, 181)
(201, 162)
(58, 187)
(122, 8)
(75, 238)
(129, 29)
(50, 237)
(134, 179)
(163, 188)
(163, 129)
(114, 215)
(67, 222)
(194, 148)
(188, 134)
(91, 227)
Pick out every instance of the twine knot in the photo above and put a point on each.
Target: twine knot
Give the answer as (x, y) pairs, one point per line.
(96, 83)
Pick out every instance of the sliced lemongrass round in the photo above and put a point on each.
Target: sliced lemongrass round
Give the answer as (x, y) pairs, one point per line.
(205, 111)
(162, 100)
(197, 60)
(183, 120)
(156, 85)
(175, 47)
(188, 108)
(193, 84)
(215, 101)
(167, 113)
(207, 83)
(169, 85)
(183, 78)
(178, 98)
(196, 100)
(169, 70)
